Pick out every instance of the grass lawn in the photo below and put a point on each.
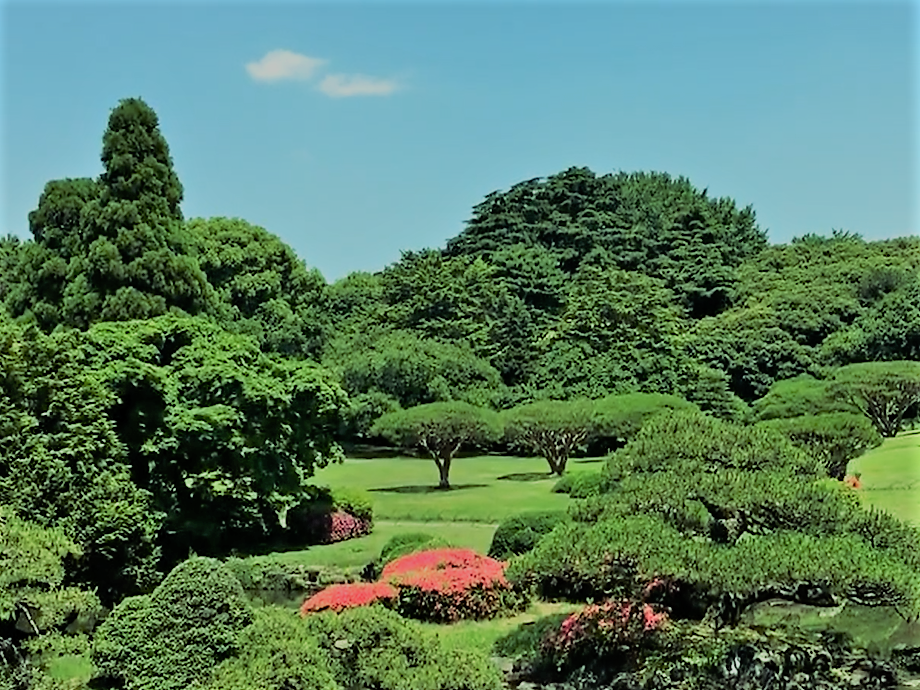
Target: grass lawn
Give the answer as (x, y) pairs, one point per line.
(360, 552)
(891, 476)
(486, 488)
(483, 634)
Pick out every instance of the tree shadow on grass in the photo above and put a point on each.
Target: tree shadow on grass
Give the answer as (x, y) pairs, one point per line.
(526, 476)
(586, 461)
(427, 489)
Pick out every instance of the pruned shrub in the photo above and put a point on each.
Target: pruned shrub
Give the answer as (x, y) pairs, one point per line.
(191, 622)
(372, 647)
(276, 652)
(327, 516)
(520, 533)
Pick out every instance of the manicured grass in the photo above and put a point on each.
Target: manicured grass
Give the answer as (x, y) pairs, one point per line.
(877, 626)
(360, 552)
(482, 635)
(485, 489)
(891, 476)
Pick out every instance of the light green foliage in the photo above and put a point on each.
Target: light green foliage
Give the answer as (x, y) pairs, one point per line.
(620, 417)
(413, 370)
(883, 391)
(551, 428)
(277, 652)
(802, 395)
(460, 299)
(32, 573)
(441, 429)
(691, 442)
(266, 290)
(889, 330)
(223, 435)
(62, 464)
(750, 346)
(174, 637)
(617, 332)
(835, 438)
(372, 647)
(34, 600)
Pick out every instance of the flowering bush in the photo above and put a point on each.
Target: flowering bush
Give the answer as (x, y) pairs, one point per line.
(338, 597)
(447, 585)
(852, 480)
(344, 526)
(610, 634)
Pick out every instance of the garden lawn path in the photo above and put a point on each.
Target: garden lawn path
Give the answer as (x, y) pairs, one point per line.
(890, 476)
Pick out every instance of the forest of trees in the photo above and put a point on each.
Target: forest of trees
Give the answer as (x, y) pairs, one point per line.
(170, 385)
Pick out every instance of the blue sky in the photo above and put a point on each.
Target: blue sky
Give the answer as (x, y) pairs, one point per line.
(380, 124)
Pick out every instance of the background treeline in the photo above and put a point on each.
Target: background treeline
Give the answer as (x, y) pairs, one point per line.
(170, 385)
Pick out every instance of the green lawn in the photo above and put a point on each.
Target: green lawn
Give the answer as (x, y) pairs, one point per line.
(487, 488)
(891, 476)
(360, 552)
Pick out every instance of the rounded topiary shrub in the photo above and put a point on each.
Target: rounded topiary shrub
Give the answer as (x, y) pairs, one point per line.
(173, 637)
(372, 647)
(520, 533)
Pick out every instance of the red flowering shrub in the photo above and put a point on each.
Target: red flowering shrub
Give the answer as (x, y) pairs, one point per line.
(610, 634)
(338, 597)
(344, 526)
(445, 585)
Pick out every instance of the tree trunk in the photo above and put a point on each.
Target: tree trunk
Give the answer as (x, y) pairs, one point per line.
(444, 472)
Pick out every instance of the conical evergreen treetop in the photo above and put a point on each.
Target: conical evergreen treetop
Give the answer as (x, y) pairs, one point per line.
(133, 262)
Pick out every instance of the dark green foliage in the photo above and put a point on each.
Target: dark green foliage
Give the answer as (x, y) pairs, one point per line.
(441, 429)
(114, 250)
(520, 534)
(223, 435)
(835, 438)
(649, 221)
(174, 637)
(802, 395)
(265, 289)
(62, 464)
(524, 642)
(371, 647)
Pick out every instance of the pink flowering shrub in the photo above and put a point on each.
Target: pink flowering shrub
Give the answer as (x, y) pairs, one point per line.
(445, 585)
(346, 596)
(439, 585)
(343, 526)
(611, 634)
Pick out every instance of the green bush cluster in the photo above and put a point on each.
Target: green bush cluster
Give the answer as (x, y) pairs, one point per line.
(582, 485)
(521, 533)
(173, 637)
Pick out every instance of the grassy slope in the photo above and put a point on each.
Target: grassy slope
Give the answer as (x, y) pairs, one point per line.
(891, 476)
(486, 488)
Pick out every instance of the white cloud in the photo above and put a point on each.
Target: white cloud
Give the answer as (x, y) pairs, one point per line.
(284, 64)
(346, 85)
